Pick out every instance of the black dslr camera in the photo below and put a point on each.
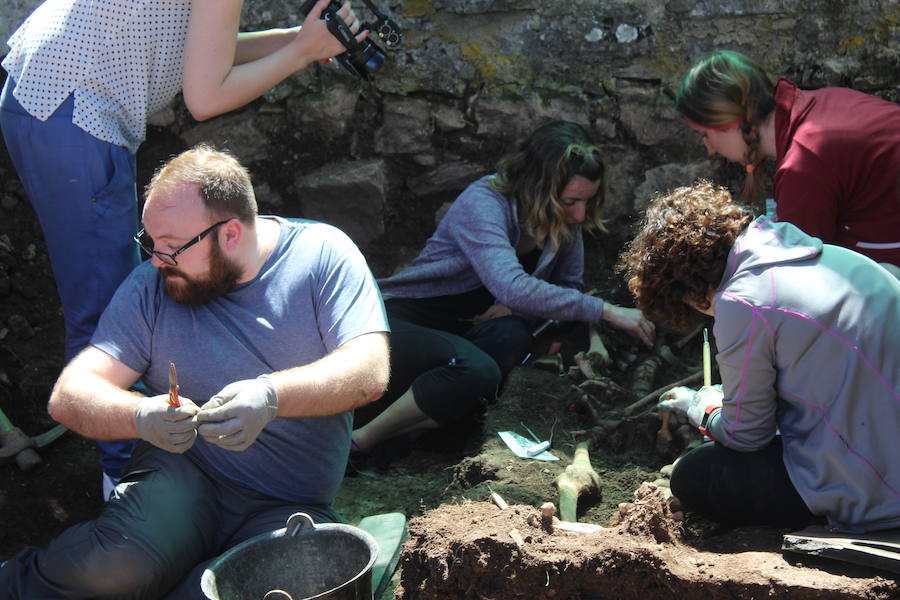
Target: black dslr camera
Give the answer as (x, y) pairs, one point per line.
(361, 58)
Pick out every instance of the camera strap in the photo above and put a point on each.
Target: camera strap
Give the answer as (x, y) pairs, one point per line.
(338, 28)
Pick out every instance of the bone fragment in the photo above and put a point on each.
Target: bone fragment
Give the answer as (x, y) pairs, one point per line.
(664, 432)
(604, 386)
(597, 352)
(644, 374)
(667, 355)
(551, 362)
(498, 500)
(517, 538)
(584, 365)
(578, 478)
(548, 510)
(653, 396)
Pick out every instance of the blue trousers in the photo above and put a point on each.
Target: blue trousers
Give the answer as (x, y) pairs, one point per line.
(83, 191)
(168, 521)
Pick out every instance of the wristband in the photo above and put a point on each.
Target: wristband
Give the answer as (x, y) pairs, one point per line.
(706, 414)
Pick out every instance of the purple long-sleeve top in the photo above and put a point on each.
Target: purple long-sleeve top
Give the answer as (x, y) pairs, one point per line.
(475, 245)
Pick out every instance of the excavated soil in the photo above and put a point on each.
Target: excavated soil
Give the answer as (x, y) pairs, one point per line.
(465, 551)
(460, 545)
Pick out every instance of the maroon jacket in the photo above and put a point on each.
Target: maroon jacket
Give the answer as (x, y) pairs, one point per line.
(837, 171)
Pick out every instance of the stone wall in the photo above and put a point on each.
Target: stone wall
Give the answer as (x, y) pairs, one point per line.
(379, 159)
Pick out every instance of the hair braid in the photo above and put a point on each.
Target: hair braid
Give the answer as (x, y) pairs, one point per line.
(752, 158)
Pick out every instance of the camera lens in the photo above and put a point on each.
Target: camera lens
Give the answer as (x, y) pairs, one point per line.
(368, 58)
(389, 35)
(375, 61)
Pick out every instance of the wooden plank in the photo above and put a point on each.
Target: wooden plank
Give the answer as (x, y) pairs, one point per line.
(879, 550)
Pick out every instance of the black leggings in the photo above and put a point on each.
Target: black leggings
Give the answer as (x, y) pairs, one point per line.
(740, 488)
(451, 372)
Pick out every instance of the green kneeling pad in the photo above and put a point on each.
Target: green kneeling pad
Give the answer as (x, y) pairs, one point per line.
(390, 531)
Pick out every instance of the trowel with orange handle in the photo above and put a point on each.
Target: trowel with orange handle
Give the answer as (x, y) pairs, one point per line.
(173, 386)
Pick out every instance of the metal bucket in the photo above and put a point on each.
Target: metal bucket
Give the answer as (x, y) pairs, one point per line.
(302, 561)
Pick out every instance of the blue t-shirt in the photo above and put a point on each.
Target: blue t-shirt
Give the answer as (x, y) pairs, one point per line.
(313, 294)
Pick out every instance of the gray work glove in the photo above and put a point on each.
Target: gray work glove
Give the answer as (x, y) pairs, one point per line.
(688, 405)
(234, 417)
(171, 428)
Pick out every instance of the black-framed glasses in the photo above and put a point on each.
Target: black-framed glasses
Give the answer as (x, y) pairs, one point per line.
(146, 243)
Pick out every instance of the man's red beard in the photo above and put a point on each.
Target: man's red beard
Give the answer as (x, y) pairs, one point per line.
(220, 278)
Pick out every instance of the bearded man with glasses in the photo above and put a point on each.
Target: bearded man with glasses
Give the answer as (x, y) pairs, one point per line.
(220, 278)
(278, 332)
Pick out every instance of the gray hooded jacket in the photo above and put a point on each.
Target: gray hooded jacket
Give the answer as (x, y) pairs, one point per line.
(808, 340)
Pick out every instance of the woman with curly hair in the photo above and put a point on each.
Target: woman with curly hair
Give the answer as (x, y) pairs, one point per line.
(836, 150)
(508, 251)
(805, 422)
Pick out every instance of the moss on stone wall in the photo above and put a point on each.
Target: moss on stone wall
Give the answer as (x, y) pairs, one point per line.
(486, 63)
(887, 25)
(850, 43)
(418, 8)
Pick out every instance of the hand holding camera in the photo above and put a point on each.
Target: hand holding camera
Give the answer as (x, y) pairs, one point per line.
(362, 56)
(316, 42)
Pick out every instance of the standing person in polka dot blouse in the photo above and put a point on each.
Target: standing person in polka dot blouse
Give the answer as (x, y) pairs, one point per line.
(83, 76)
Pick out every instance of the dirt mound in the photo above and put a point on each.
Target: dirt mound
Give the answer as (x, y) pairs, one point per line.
(474, 550)
(649, 516)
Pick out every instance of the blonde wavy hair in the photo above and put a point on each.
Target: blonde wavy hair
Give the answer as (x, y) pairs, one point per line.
(537, 172)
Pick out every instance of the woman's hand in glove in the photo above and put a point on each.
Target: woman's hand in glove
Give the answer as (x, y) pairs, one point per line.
(688, 405)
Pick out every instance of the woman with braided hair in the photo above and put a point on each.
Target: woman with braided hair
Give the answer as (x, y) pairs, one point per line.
(836, 150)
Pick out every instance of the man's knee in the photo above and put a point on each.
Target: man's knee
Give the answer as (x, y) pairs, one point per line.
(110, 564)
(127, 570)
